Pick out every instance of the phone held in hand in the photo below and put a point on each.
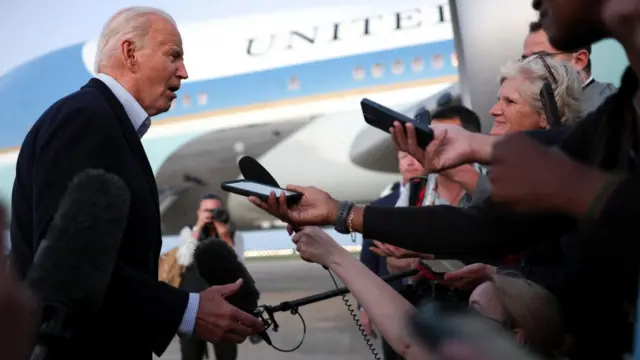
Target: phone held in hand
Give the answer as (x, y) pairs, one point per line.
(382, 117)
(261, 191)
(434, 269)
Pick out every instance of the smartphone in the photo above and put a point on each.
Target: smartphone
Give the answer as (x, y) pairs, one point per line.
(550, 105)
(423, 116)
(433, 327)
(382, 118)
(435, 269)
(261, 191)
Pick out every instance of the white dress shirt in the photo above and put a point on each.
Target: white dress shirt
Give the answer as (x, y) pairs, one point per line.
(141, 123)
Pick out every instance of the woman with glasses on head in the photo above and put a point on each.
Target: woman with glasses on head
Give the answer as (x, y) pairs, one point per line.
(519, 106)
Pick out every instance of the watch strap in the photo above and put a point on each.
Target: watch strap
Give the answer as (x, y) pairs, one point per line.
(343, 213)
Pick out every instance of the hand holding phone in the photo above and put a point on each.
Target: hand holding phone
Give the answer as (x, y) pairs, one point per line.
(261, 191)
(435, 269)
(382, 117)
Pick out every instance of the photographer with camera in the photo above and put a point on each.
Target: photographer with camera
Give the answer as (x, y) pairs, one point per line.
(179, 269)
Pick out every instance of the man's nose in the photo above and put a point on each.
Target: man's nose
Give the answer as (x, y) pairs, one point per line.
(182, 72)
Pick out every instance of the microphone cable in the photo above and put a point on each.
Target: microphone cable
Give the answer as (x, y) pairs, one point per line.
(356, 320)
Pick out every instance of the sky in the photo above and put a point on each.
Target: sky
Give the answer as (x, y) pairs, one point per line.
(40, 26)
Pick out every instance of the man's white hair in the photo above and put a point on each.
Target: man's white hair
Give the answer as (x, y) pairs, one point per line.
(130, 23)
(565, 81)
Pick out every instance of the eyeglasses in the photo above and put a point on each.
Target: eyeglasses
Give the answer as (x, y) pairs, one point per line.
(542, 56)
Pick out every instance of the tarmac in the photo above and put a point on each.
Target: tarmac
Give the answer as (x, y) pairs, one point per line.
(331, 331)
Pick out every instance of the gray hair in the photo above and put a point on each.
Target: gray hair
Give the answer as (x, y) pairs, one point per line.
(131, 23)
(567, 86)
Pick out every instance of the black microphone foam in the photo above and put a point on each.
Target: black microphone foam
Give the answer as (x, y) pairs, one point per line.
(218, 264)
(252, 170)
(73, 264)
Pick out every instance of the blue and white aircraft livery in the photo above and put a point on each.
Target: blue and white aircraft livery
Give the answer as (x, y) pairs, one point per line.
(281, 87)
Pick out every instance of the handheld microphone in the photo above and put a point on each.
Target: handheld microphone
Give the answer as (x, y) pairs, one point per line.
(73, 264)
(218, 264)
(252, 170)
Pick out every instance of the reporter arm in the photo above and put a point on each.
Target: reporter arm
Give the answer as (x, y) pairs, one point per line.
(82, 139)
(445, 230)
(384, 306)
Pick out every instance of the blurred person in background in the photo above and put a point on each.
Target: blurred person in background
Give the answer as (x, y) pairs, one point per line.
(17, 309)
(206, 226)
(594, 92)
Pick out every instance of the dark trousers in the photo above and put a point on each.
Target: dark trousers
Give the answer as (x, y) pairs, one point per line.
(192, 348)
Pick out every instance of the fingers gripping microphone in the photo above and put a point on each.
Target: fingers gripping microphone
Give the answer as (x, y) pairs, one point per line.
(218, 264)
(73, 264)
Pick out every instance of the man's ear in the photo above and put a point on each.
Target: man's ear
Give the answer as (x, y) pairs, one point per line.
(128, 49)
(581, 60)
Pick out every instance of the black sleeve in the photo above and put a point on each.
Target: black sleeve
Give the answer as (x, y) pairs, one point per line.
(81, 139)
(550, 137)
(451, 231)
(616, 224)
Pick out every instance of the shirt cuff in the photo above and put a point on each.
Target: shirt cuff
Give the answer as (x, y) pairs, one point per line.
(189, 318)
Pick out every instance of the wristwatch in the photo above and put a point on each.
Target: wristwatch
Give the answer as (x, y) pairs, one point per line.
(341, 225)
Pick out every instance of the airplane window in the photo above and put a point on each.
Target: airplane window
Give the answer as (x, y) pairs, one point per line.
(397, 67)
(359, 73)
(186, 101)
(437, 61)
(454, 59)
(417, 64)
(377, 70)
(294, 83)
(202, 98)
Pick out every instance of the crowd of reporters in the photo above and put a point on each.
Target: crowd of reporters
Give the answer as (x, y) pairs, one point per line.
(544, 233)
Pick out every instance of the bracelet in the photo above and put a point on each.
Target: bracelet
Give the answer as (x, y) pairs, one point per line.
(350, 224)
(342, 221)
(602, 195)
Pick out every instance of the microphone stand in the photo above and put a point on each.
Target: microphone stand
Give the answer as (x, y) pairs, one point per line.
(293, 305)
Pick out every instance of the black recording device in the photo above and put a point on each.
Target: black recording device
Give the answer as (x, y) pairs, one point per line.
(550, 106)
(435, 269)
(73, 264)
(434, 327)
(383, 118)
(261, 191)
(221, 215)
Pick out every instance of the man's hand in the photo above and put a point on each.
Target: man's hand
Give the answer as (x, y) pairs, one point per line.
(469, 276)
(367, 324)
(530, 177)
(316, 246)
(386, 250)
(17, 310)
(217, 320)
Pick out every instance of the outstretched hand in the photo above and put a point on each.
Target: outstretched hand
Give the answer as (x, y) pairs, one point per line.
(386, 250)
(217, 320)
(450, 147)
(315, 208)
